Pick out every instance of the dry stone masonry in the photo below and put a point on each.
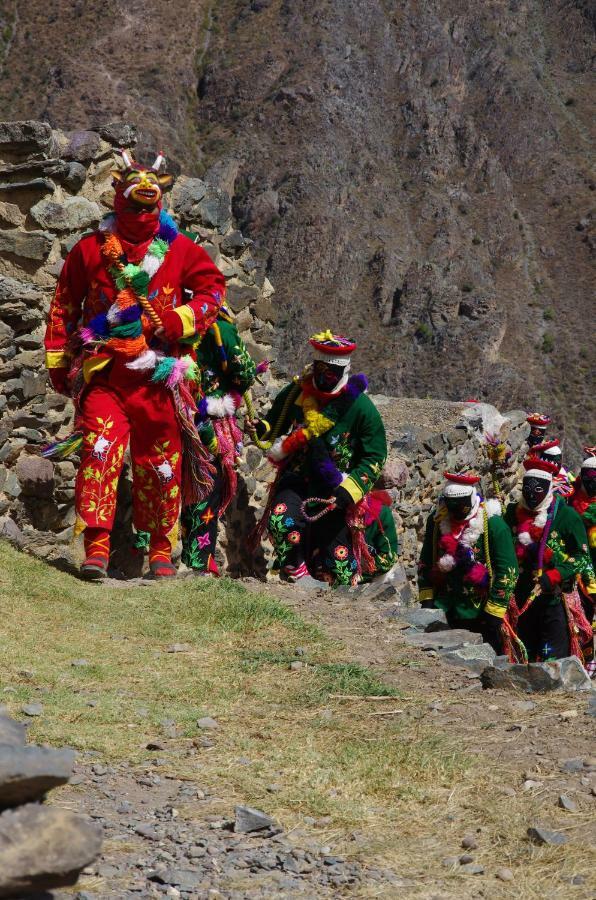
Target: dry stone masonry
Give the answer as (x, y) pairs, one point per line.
(54, 186)
(41, 847)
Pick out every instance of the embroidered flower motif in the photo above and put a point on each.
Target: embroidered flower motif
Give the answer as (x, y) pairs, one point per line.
(203, 541)
(289, 521)
(294, 537)
(341, 552)
(279, 508)
(207, 516)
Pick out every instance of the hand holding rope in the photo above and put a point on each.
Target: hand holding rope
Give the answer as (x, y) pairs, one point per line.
(328, 504)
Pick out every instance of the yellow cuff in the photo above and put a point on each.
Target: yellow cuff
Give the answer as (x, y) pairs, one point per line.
(425, 594)
(187, 317)
(94, 364)
(493, 609)
(353, 489)
(57, 359)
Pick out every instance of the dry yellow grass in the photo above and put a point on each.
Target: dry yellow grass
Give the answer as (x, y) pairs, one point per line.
(391, 790)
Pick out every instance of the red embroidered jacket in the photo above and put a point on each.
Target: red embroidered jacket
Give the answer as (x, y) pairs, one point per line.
(85, 288)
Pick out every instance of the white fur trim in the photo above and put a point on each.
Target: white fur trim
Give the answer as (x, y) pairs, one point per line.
(472, 527)
(332, 360)
(150, 264)
(538, 473)
(524, 538)
(446, 563)
(589, 463)
(144, 362)
(107, 224)
(492, 507)
(553, 451)
(113, 313)
(221, 406)
(452, 489)
(276, 452)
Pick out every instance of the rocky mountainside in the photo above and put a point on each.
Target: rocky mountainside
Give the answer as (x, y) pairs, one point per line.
(418, 176)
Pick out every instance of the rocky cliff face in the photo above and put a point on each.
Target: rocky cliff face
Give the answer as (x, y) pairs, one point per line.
(416, 176)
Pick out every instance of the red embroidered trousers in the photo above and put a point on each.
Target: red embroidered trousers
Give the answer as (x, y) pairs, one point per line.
(119, 407)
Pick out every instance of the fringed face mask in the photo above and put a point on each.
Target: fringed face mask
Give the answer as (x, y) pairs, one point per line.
(139, 185)
(459, 508)
(588, 477)
(327, 376)
(534, 491)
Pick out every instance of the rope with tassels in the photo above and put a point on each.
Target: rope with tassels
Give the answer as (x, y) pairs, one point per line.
(266, 445)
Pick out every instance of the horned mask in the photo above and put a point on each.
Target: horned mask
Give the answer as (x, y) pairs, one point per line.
(140, 185)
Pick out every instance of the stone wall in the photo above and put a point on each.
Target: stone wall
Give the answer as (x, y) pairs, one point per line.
(41, 847)
(53, 187)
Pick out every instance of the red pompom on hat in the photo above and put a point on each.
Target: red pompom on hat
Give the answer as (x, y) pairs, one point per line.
(538, 420)
(533, 463)
(469, 478)
(545, 445)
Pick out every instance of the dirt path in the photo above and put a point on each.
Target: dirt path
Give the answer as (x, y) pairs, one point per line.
(167, 835)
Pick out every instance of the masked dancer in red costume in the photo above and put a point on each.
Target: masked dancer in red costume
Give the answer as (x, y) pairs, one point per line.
(115, 343)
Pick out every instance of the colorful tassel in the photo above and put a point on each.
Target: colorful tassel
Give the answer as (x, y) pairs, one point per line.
(62, 449)
(163, 369)
(168, 230)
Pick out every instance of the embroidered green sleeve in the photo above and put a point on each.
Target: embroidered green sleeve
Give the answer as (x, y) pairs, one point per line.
(241, 366)
(504, 566)
(370, 432)
(425, 563)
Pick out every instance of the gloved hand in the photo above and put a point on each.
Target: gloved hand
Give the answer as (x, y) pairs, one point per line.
(550, 582)
(491, 631)
(59, 379)
(342, 497)
(172, 328)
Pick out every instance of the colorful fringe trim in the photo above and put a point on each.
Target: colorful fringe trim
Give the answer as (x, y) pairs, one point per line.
(121, 328)
(62, 449)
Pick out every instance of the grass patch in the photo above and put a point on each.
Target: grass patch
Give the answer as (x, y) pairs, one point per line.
(381, 769)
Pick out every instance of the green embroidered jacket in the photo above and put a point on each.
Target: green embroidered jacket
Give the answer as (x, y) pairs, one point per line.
(356, 442)
(381, 537)
(568, 541)
(241, 368)
(451, 593)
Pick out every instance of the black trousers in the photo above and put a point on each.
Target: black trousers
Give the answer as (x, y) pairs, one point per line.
(325, 546)
(199, 529)
(478, 626)
(544, 630)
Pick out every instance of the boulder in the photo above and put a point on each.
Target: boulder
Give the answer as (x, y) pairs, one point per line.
(471, 656)
(82, 146)
(75, 176)
(186, 194)
(26, 244)
(43, 847)
(73, 214)
(248, 819)
(239, 295)
(215, 209)
(562, 674)
(28, 773)
(425, 619)
(19, 140)
(10, 531)
(451, 639)
(119, 134)
(40, 186)
(11, 732)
